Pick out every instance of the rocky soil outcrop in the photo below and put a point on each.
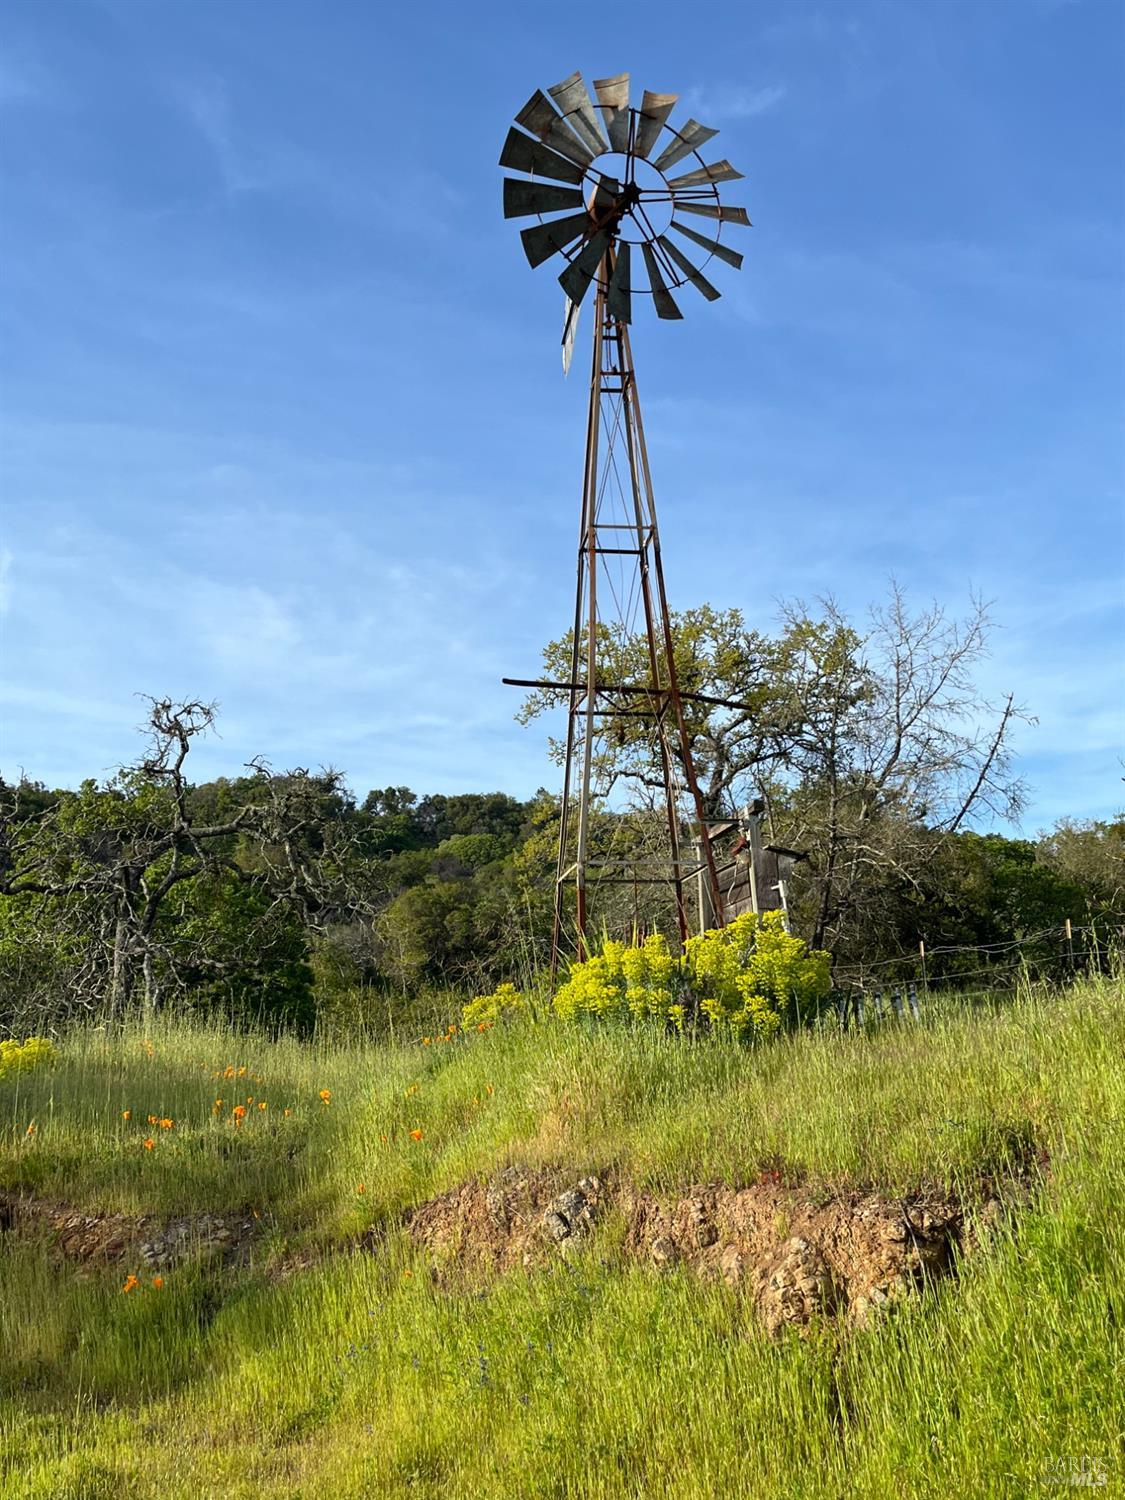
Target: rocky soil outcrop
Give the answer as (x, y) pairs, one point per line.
(146, 1240)
(800, 1256)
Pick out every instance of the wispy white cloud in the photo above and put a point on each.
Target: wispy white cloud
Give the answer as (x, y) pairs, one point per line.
(732, 101)
(244, 166)
(252, 162)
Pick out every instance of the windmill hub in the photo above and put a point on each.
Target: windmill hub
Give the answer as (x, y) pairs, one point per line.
(634, 193)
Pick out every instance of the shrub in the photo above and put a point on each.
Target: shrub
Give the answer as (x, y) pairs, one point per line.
(505, 999)
(753, 977)
(622, 980)
(750, 978)
(16, 1057)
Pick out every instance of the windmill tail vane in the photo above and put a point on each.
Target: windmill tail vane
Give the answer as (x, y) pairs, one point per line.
(610, 186)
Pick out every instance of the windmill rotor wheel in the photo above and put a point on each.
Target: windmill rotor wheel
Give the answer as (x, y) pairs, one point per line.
(599, 181)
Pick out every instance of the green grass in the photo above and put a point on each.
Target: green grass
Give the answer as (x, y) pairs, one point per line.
(597, 1378)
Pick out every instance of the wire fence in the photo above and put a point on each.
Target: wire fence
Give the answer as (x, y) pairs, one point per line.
(899, 988)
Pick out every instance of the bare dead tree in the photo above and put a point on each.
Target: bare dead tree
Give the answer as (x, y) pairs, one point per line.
(900, 749)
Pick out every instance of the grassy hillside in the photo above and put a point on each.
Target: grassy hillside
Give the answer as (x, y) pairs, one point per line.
(304, 1370)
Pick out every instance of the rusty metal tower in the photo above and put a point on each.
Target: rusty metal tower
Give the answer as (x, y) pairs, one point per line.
(600, 190)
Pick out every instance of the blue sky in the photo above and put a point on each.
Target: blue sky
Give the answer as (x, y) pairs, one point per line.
(283, 422)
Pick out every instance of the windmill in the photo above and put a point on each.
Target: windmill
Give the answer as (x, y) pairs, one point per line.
(610, 186)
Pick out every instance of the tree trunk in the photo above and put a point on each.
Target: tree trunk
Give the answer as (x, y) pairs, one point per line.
(152, 986)
(121, 983)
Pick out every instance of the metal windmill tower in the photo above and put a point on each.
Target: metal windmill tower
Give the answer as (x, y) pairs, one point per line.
(597, 180)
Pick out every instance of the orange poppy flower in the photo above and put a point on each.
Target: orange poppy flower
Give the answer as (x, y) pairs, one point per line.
(239, 1111)
(149, 1144)
(126, 1114)
(361, 1188)
(261, 1104)
(166, 1124)
(30, 1130)
(325, 1095)
(158, 1282)
(415, 1135)
(130, 1282)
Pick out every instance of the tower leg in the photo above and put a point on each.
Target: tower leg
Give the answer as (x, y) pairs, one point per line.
(614, 415)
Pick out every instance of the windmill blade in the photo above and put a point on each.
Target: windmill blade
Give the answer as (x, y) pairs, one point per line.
(661, 296)
(605, 196)
(655, 109)
(613, 96)
(689, 139)
(720, 171)
(693, 273)
(521, 199)
(522, 154)
(724, 252)
(539, 118)
(713, 211)
(576, 279)
(620, 292)
(573, 101)
(542, 240)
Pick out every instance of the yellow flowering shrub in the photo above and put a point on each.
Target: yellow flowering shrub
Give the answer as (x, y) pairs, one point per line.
(622, 980)
(753, 977)
(750, 978)
(504, 1000)
(21, 1057)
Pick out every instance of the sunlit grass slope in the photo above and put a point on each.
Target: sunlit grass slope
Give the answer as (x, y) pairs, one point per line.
(357, 1377)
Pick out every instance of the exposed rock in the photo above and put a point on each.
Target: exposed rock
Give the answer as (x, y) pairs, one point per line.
(664, 1252)
(572, 1212)
(794, 1287)
(509, 1198)
(103, 1239)
(731, 1265)
(800, 1255)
